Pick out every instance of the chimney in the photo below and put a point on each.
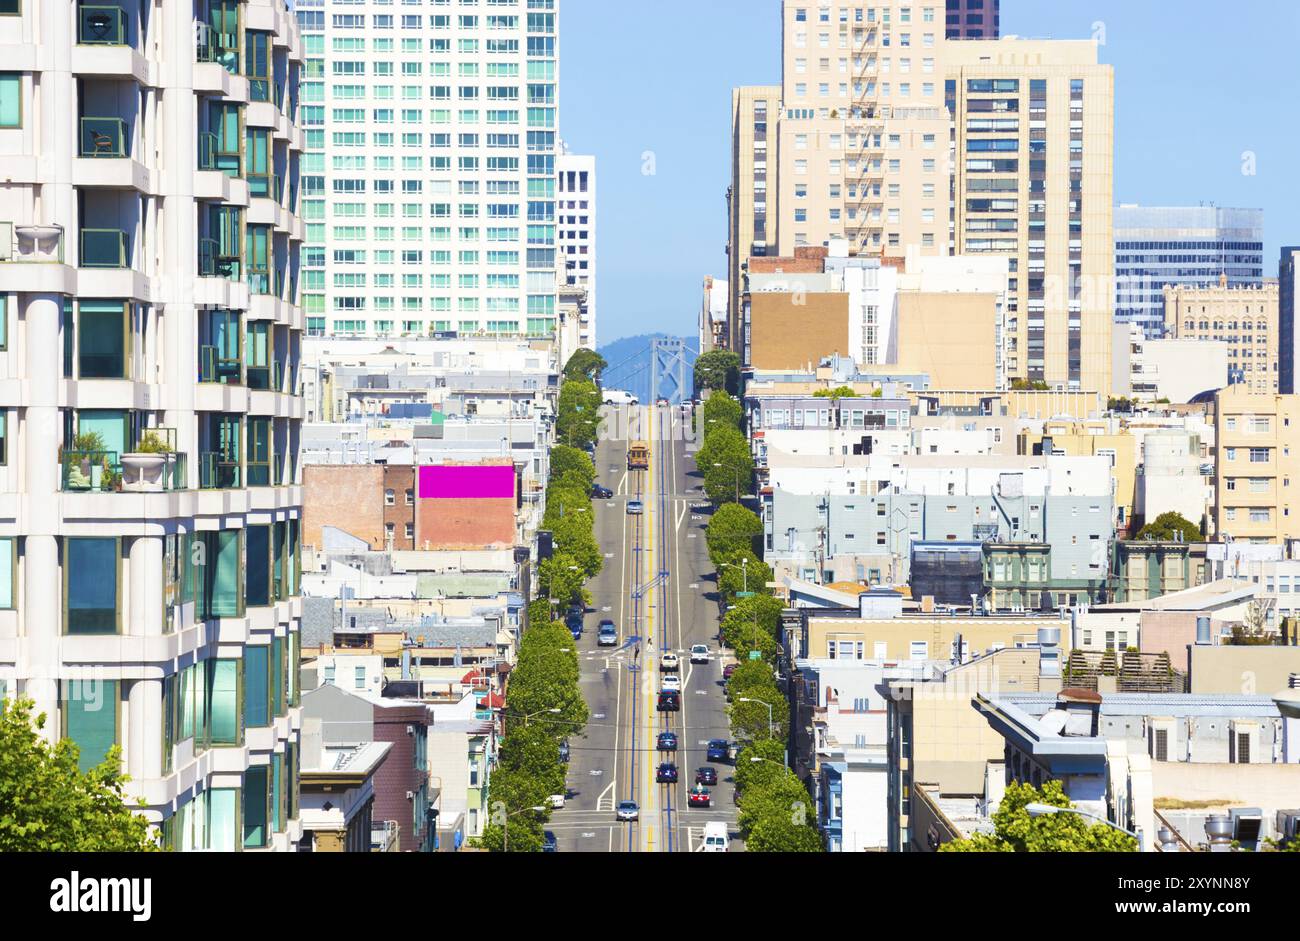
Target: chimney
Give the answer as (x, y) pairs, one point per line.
(1082, 708)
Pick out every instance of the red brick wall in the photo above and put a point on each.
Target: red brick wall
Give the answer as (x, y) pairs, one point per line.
(465, 524)
(399, 479)
(349, 497)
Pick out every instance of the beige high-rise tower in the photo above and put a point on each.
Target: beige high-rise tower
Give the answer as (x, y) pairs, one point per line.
(750, 209)
(863, 131)
(1033, 137)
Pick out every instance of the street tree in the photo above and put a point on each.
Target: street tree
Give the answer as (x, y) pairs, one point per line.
(749, 720)
(719, 371)
(562, 580)
(743, 572)
(721, 409)
(732, 529)
(585, 365)
(759, 773)
(1017, 832)
(782, 797)
(48, 805)
(777, 834)
(566, 461)
(726, 463)
(530, 748)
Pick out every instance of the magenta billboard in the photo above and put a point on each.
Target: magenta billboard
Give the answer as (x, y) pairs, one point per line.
(467, 483)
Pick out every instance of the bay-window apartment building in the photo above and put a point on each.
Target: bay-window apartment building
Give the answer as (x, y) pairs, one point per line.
(429, 186)
(150, 333)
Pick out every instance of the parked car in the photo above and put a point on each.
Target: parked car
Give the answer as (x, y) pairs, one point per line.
(729, 669)
(700, 653)
(601, 493)
(635, 508)
(627, 810)
(706, 775)
(667, 741)
(719, 749)
(564, 751)
(557, 801)
(575, 626)
(549, 843)
(607, 635)
(700, 797)
(669, 662)
(667, 773)
(670, 702)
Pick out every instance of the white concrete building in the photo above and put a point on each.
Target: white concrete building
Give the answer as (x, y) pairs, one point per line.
(148, 285)
(576, 222)
(430, 183)
(1172, 478)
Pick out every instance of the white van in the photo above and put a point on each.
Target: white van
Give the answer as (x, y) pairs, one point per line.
(618, 397)
(716, 838)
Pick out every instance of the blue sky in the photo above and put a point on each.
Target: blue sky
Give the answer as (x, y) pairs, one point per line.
(648, 91)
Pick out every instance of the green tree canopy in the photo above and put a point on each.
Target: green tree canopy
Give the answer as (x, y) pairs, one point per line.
(776, 834)
(585, 365)
(561, 578)
(48, 805)
(1017, 832)
(781, 797)
(749, 720)
(718, 370)
(567, 461)
(751, 676)
(732, 529)
(768, 771)
(577, 419)
(726, 463)
(721, 409)
(743, 572)
(1169, 527)
(843, 392)
(512, 796)
(573, 536)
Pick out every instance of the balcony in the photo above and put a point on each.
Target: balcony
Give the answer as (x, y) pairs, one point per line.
(90, 471)
(218, 368)
(101, 26)
(104, 248)
(212, 157)
(103, 137)
(266, 378)
(213, 264)
(103, 472)
(218, 471)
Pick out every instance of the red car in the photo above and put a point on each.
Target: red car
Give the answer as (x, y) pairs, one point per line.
(728, 670)
(700, 798)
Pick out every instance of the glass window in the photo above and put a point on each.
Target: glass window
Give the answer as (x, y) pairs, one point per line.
(257, 796)
(11, 106)
(102, 340)
(220, 581)
(4, 438)
(223, 708)
(4, 321)
(257, 687)
(90, 718)
(90, 585)
(257, 570)
(8, 568)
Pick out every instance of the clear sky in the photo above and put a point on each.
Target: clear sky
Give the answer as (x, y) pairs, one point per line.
(647, 89)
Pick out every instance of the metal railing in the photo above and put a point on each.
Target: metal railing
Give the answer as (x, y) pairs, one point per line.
(267, 378)
(212, 157)
(212, 264)
(218, 472)
(85, 471)
(213, 367)
(31, 243)
(103, 248)
(103, 137)
(221, 48)
(101, 26)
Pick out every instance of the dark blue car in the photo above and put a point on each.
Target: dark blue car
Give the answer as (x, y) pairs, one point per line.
(549, 843)
(719, 749)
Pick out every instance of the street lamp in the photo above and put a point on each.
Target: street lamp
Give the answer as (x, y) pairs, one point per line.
(733, 467)
(505, 825)
(1046, 810)
(555, 712)
(744, 572)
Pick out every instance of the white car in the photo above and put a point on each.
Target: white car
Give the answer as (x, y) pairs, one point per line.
(557, 800)
(618, 397)
(669, 662)
(700, 653)
(671, 683)
(716, 838)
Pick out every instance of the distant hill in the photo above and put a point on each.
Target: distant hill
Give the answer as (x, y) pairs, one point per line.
(630, 360)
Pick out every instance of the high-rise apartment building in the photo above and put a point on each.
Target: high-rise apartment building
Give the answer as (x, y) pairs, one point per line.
(149, 412)
(1245, 318)
(751, 216)
(1182, 245)
(973, 19)
(430, 181)
(577, 235)
(862, 134)
(1257, 469)
(1288, 312)
(1033, 162)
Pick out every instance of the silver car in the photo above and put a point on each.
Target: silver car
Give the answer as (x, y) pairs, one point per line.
(628, 810)
(635, 508)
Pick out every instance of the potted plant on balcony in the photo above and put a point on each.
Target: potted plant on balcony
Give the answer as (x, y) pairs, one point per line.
(81, 471)
(142, 469)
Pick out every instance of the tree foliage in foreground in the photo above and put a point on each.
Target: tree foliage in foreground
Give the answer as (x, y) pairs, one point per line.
(1017, 832)
(48, 805)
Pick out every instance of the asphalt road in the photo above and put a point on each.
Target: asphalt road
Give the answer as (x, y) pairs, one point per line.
(653, 586)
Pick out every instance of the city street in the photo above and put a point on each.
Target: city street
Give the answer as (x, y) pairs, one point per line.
(654, 588)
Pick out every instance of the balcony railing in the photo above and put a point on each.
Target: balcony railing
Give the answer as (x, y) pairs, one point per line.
(267, 282)
(86, 471)
(213, 367)
(218, 472)
(103, 248)
(103, 137)
(101, 26)
(212, 264)
(31, 243)
(222, 48)
(267, 377)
